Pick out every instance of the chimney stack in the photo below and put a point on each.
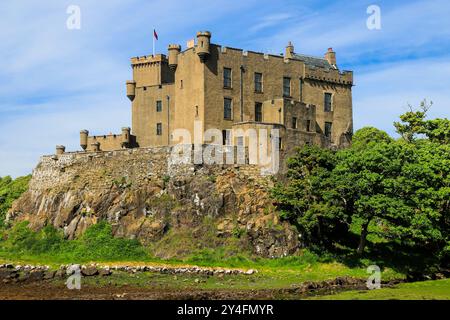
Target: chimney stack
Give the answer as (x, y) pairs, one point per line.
(289, 51)
(331, 56)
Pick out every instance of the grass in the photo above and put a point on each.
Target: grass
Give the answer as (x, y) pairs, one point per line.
(265, 280)
(427, 290)
(48, 246)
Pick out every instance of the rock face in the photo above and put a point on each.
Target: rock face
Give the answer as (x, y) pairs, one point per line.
(146, 194)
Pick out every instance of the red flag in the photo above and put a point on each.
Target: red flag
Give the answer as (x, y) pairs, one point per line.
(155, 34)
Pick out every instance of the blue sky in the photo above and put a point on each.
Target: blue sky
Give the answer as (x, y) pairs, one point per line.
(55, 82)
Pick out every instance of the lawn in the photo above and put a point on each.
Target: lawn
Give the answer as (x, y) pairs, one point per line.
(426, 290)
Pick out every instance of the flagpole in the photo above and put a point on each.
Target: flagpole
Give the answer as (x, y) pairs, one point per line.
(153, 36)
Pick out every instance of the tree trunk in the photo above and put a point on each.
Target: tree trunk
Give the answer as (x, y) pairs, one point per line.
(362, 239)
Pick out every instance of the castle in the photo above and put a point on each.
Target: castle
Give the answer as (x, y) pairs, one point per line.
(309, 99)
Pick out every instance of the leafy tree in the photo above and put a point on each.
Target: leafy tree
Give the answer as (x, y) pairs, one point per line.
(301, 199)
(398, 189)
(367, 135)
(414, 123)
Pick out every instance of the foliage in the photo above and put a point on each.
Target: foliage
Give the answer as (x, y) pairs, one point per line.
(11, 190)
(413, 124)
(399, 190)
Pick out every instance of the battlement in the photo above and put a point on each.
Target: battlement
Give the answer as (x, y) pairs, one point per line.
(159, 58)
(329, 75)
(105, 142)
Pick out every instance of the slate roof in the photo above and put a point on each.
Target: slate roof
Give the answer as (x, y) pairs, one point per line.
(314, 61)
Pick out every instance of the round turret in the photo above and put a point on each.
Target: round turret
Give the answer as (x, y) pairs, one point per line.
(131, 89)
(60, 150)
(174, 50)
(125, 137)
(203, 42)
(84, 139)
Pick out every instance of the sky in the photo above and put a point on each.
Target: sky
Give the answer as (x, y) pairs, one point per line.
(55, 80)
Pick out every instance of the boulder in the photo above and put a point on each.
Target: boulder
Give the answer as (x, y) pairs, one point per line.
(104, 272)
(50, 274)
(36, 276)
(89, 271)
(8, 274)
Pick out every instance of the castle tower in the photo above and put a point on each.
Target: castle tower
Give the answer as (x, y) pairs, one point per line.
(174, 50)
(203, 42)
(131, 89)
(330, 56)
(289, 51)
(84, 139)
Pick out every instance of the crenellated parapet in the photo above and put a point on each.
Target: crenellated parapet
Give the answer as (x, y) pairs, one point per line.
(328, 75)
(148, 60)
(108, 142)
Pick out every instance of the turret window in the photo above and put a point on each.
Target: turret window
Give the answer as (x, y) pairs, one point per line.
(301, 90)
(328, 107)
(159, 106)
(159, 129)
(227, 108)
(286, 87)
(227, 78)
(226, 137)
(258, 112)
(258, 82)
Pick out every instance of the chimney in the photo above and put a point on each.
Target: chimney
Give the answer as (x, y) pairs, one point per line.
(289, 51)
(331, 56)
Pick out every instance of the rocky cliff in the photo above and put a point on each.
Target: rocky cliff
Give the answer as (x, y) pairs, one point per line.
(173, 208)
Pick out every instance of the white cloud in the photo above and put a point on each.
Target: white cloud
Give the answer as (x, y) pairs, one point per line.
(382, 94)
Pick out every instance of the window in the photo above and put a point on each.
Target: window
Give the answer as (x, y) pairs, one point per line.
(159, 129)
(258, 82)
(226, 137)
(226, 77)
(286, 87)
(294, 123)
(258, 112)
(227, 108)
(240, 141)
(327, 102)
(301, 90)
(308, 125)
(181, 84)
(196, 111)
(158, 106)
(328, 128)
